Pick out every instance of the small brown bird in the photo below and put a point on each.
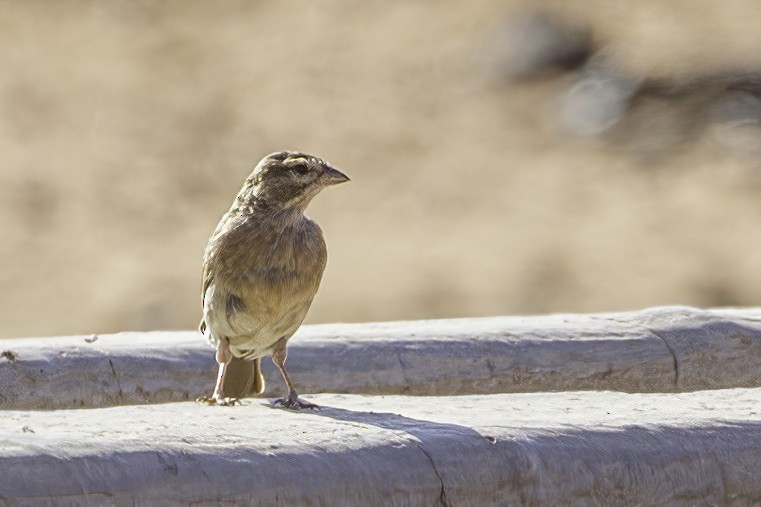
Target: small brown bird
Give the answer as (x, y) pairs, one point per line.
(261, 270)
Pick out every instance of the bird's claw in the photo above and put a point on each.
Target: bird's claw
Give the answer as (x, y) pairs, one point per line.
(213, 400)
(294, 403)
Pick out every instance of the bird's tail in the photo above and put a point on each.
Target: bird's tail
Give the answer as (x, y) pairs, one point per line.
(243, 378)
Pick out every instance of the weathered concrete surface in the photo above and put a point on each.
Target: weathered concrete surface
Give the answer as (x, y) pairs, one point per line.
(581, 448)
(658, 350)
(712, 350)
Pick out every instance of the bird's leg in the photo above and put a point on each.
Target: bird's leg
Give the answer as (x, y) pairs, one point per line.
(279, 355)
(224, 356)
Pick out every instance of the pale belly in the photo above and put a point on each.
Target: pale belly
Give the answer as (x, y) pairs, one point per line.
(254, 330)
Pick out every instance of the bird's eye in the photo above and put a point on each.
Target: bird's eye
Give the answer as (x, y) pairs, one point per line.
(300, 168)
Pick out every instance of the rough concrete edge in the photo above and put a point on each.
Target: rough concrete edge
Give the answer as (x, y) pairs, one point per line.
(172, 366)
(536, 467)
(711, 349)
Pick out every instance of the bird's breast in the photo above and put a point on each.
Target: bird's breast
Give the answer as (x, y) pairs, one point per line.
(273, 273)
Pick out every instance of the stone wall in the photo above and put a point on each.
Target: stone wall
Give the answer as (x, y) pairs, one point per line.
(653, 407)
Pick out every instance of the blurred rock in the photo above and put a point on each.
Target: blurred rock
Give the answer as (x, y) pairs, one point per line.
(736, 121)
(598, 100)
(656, 116)
(657, 124)
(538, 43)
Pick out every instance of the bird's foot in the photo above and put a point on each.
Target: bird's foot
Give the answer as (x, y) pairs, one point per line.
(218, 400)
(294, 403)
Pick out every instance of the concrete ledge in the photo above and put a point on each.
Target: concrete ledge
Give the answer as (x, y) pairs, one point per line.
(581, 448)
(658, 350)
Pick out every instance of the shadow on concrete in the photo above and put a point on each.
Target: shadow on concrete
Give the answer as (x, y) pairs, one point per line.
(420, 428)
(452, 450)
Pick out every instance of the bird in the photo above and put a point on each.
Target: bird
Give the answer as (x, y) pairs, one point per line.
(261, 269)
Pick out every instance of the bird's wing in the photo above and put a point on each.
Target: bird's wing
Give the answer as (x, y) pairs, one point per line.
(207, 273)
(206, 280)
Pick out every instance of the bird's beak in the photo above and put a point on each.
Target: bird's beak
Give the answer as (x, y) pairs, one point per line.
(333, 176)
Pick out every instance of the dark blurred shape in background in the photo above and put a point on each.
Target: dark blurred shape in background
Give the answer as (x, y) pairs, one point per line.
(537, 43)
(580, 156)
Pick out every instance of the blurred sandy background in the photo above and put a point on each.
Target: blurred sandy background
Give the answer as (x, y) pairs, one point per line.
(127, 127)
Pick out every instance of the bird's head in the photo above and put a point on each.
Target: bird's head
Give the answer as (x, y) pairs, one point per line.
(289, 179)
